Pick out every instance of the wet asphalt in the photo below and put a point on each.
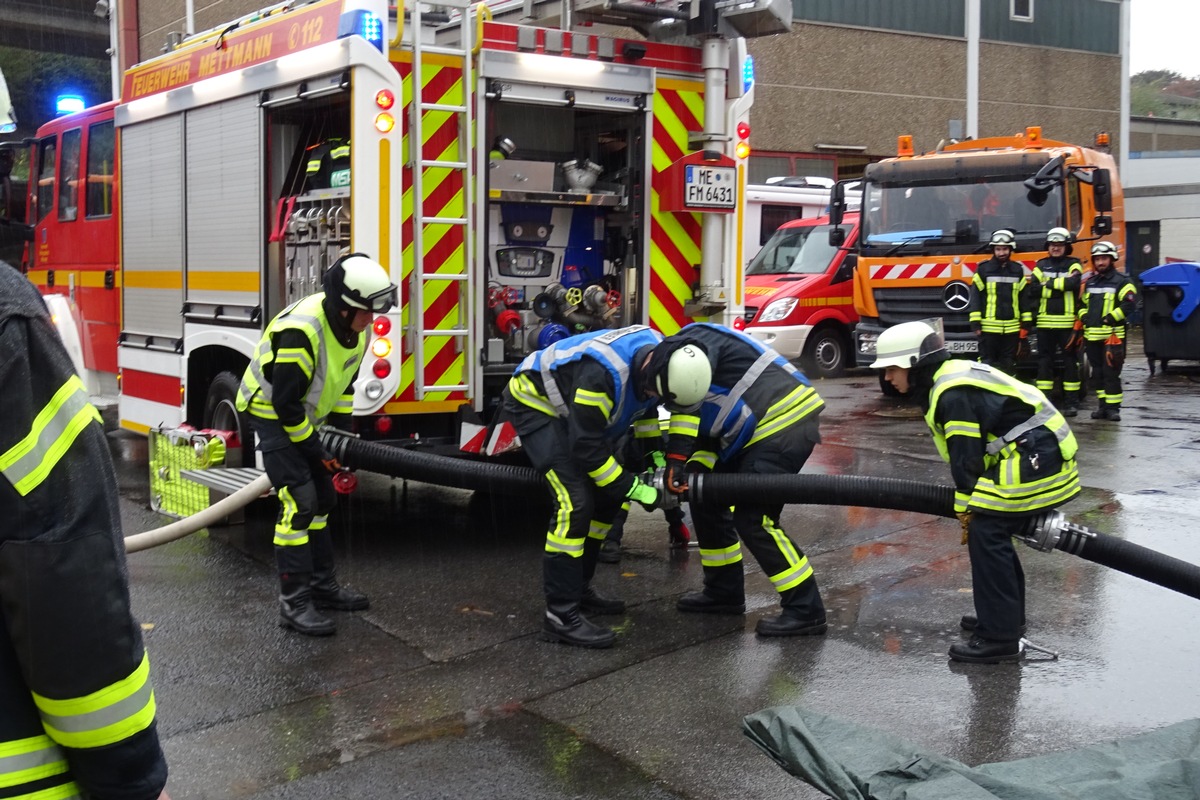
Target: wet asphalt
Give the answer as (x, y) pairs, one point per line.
(444, 689)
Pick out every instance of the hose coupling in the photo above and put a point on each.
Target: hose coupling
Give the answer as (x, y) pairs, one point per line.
(1053, 531)
(335, 440)
(667, 499)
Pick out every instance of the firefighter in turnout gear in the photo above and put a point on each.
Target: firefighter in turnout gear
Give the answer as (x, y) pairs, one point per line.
(302, 375)
(995, 309)
(738, 406)
(77, 710)
(571, 403)
(1108, 299)
(1053, 297)
(327, 164)
(1012, 456)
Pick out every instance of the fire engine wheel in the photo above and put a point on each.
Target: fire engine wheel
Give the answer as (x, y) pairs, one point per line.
(221, 414)
(825, 353)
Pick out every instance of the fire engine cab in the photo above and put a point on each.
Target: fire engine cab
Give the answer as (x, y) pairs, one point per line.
(520, 182)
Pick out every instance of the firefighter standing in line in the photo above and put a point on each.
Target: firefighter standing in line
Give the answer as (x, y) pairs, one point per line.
(757, 414)
(1108, 299)
(301, 375)
(995, 309)
(1053, 294)
(570, 403)
(77, 711)
(1012, 456)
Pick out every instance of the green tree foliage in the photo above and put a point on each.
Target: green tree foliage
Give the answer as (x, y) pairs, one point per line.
(35, 80)
(1163, 93)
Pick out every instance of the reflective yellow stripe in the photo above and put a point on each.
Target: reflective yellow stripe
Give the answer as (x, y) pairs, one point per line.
(104, 717)
(320, 521)
(344, 405)
(800, 403)
(647, 429)
(599, 400)
(298, 433)
(27, 463)
(683, 425)
(721, 557)
(68, 791)
(298, 356)
(525, 391)
(556, 537)
(599, 530)
(705, 458)
(28, 760)
(285, 534)
(970, 429)
(606, 473)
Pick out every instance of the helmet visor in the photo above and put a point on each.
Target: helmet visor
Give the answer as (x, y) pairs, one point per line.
(383, 300)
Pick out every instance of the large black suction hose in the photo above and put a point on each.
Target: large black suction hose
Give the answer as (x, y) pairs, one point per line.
(1046, 532)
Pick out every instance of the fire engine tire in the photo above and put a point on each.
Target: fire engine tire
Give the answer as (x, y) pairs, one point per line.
(825, 353)
(221, 414)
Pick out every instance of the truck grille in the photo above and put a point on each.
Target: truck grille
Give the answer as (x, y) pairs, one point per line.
(918, 302)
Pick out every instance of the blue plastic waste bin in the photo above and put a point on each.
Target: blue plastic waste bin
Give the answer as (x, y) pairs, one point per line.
(1171, 324)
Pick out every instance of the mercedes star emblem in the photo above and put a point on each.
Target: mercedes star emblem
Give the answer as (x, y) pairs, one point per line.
(956, 296)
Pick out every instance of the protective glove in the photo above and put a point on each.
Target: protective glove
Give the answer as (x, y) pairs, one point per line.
(1107, 319)
(644, 494)
(1114, 352)
(676, 477)
(1023, 345)
(964, 520)
(655, 459)
(1075, 340)
(330, 462)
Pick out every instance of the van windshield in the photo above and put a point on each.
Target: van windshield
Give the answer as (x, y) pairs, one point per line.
(794, 251)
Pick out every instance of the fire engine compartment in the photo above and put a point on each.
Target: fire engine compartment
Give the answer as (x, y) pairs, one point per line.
(564, 224)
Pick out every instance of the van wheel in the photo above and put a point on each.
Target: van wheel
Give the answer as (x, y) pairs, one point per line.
(825, 353)
(221, 414)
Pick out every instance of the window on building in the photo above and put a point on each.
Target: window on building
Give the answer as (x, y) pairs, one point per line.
(1020, 10)
(101, 153)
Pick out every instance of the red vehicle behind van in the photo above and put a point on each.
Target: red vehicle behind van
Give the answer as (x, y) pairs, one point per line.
(800, 296)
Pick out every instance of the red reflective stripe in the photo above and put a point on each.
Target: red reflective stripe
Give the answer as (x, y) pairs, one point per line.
(151, 386)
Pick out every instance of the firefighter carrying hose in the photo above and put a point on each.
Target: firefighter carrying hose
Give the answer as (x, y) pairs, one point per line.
(754, 413)
(570, 403)
(994, 308)
(1108, 299)
(302, 374)
(1012, 456)
(77, 710)
(1053, 296)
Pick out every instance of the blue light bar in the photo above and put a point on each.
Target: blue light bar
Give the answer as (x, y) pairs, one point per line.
(747, 74)
(360, 22)
(68, 104)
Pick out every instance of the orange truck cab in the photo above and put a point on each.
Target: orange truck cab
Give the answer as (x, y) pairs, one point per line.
(800, 295)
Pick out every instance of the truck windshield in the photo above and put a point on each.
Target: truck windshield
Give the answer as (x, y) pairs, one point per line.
(949, 214)
(794, 251)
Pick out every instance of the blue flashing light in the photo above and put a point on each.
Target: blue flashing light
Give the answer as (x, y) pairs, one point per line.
(747, 74)
(360, 22)
(68, 104)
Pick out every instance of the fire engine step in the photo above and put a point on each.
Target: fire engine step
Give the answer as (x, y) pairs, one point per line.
(225, 480)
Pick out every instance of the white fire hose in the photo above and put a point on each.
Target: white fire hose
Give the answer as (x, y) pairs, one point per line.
(209, 516)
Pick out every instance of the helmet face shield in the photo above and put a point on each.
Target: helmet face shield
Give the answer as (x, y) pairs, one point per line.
(382, 301)
(360, 283)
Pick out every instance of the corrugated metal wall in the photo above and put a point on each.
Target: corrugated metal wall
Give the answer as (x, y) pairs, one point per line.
(939, 17)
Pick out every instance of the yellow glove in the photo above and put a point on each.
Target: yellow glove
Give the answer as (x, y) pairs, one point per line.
(964, 519)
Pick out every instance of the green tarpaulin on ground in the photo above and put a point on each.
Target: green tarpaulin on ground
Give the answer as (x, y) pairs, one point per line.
(849, 761)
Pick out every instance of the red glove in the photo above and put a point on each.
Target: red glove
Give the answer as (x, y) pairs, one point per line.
(330, 462)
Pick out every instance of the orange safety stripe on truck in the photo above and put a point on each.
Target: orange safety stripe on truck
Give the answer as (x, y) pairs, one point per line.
(674, 238)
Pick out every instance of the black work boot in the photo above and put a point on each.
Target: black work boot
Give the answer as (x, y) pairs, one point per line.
(787, 625)
(1114, 412)
(563, 623)
(970, 622)
(704, 603)
(1071, 410)
(598, 605)
(610, 552)
(326, 591)
(986, 651)
(296, 609)
(803, 613)
(1101, 412)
